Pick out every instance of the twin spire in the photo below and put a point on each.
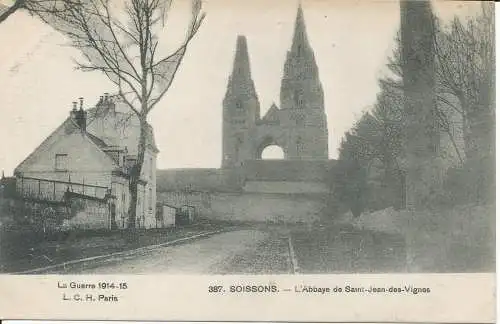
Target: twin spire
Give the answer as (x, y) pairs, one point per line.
(241, 66)
(241, 75)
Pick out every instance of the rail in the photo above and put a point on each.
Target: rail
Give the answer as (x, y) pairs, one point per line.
(54, 190)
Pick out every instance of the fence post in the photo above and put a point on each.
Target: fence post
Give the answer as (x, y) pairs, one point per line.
(54, 191)
(39, 188)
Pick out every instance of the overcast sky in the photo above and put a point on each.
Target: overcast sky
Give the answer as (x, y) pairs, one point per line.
(351, 40)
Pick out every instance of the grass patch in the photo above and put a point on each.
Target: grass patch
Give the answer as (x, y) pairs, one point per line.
(461, 239)
(344, 249)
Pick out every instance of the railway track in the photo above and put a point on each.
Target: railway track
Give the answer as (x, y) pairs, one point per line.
(294, 265)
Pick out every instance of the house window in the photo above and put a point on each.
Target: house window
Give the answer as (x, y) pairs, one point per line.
(61, 162)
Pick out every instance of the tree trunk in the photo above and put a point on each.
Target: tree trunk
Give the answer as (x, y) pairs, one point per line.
(135, 176)
(391, 183)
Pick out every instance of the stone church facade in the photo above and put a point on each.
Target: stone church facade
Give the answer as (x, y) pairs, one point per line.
(298, 125)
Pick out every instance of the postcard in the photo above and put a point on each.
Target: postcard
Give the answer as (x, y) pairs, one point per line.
(301, 161)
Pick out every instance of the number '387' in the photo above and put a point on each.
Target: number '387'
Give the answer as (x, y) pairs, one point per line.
(214, 289)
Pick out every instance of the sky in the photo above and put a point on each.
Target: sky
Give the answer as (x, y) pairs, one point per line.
(351, 39)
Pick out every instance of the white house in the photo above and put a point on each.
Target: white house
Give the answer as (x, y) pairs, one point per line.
(90, 153)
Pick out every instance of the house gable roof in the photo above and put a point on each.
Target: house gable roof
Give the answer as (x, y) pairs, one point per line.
(68, 127)
(48, 141)
(108, 129)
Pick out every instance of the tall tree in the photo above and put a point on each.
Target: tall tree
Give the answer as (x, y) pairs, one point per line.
(374, 147)
(121, 40)
(348, 177)
(462, 71)
(421, 123)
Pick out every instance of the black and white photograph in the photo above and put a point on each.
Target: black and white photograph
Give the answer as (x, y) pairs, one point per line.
(240, 137)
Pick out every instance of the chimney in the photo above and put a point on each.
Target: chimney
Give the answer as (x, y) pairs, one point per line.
(73, 111)
(106, 97)
(80, 116)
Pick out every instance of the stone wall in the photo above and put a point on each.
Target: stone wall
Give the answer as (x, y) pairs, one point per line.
(287, 170)
(284, 187)
(201, 201)
(88, 214)
(259, 190)
(261, 207)
(256, 207)
(198, 180)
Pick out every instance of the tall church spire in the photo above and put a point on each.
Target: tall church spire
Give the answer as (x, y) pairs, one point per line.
(300, 40)
(300, 86)
(301, 97)
(240, 84)
(241, 109)
(241, 66)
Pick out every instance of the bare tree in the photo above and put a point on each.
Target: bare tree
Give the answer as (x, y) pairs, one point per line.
(121, 40)
(446, 104)
(465, 54)
(33, 7)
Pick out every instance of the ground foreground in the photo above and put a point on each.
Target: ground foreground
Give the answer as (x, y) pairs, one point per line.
(459, 240)
(345, 249)
(26, 251)
(240, 251)
(260, 249)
